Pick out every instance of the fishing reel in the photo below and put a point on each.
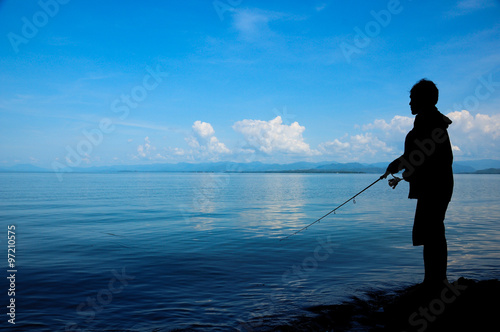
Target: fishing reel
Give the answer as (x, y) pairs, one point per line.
(394, 181)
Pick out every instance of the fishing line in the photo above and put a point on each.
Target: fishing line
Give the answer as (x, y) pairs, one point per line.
(338, 207)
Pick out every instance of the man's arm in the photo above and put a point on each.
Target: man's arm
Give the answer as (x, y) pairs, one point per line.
(394, 167)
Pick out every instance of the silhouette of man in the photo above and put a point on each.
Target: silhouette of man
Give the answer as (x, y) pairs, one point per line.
(427, 164)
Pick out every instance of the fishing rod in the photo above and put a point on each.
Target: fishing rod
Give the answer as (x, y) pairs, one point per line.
(392, 182)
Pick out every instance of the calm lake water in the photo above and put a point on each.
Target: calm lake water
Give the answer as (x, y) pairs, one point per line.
(202, 252)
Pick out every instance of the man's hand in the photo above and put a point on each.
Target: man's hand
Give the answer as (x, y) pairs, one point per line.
(393, 168)
(386, 174)
(394, 182)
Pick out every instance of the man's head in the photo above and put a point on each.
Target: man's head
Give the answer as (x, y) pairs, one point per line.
(424, 95)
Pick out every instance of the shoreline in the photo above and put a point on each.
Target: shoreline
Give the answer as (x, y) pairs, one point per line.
(463, 305)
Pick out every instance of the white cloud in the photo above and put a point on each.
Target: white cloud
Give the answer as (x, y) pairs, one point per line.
(274, 136)
(320, 7)
(475, 4)
(478, 126)
(248, 21)
(203, 129)
(203, 142)
(356, 148)
(252, 23)
(391, 133)
(144, 150)
(464, 7)
(178, 152)
(474, 136)
(148, 151)
(398, 124)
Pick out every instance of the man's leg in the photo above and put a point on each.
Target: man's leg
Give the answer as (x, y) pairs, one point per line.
(435, 260)
(429, 230)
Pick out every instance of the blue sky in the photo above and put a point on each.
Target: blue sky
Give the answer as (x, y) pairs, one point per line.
(90, 83)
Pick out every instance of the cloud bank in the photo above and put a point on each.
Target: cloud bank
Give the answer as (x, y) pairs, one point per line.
(473, 136)
(204, 144)
(274, 137)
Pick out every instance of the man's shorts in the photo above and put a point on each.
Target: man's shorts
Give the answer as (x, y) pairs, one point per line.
(428, 226)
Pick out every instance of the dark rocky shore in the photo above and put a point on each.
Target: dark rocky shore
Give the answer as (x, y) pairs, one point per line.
(464, 305)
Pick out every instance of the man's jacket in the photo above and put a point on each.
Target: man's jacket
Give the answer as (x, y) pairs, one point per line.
(427, 158)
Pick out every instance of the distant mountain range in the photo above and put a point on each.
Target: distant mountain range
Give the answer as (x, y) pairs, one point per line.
(485, 166)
